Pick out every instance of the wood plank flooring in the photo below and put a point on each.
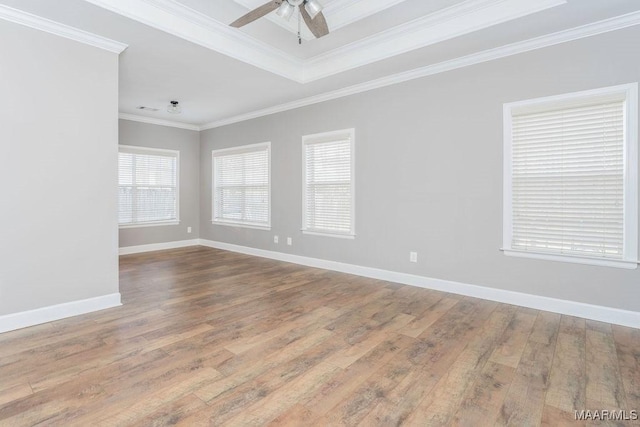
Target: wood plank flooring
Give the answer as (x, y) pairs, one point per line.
(208, 337)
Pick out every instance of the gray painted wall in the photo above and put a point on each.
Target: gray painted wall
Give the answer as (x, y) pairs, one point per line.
(59, 139)
(188, 143)
(429, 172)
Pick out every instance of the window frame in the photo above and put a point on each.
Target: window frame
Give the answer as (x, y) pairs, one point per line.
(232, 150)
(160, 152)
(330, 137)
(630, 174)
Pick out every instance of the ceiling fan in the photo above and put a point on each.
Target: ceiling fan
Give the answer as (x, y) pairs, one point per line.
(310, 10)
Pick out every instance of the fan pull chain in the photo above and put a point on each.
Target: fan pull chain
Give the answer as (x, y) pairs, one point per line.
(299, 14)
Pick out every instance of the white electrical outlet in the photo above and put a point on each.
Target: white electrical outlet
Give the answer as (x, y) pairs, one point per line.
(188, 229)
(275, 239)
(413, 256)
(289, 241)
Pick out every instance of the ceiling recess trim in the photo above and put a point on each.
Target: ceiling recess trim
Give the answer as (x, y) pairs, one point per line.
(52, 27)
(454, 21)
(577, 33)
(463, 18)
(154, 121)
(186, 23)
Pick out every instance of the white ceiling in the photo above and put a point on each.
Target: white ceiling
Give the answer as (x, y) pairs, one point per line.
(185, 50)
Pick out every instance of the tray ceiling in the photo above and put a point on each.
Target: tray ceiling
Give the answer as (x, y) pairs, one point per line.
(460, 18)
(185, 50)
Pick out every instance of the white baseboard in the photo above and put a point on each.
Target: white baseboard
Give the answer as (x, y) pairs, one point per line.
(23, 319)
(127, 250)
(572, 308)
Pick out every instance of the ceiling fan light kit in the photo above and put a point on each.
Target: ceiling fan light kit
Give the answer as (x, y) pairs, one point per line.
(285, 10)
(309, 10)
(313, 7)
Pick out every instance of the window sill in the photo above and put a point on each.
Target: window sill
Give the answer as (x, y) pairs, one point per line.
(149, 224)
(630, 265)
(327, 234)
(241, 225)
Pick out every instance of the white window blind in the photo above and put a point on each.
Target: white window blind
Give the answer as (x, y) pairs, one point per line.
(148, 186)
(328, 183)
(568, 178)
(241, 186)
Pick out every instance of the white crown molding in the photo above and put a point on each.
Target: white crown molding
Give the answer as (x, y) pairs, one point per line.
(52, 27)
(454, 21)
(538, 302)
(127, 250)
(181, 21)
(338, 13)
(23, 319)
(463, 18)
(589, 30)
(154, 121)
(343, 13)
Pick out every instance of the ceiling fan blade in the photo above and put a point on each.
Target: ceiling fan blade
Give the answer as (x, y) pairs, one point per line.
(256, 13)
(317, 25)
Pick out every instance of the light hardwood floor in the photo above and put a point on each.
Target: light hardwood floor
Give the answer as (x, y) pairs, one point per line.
(207, 337)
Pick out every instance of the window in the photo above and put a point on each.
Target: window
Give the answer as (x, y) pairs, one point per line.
(328, 183)
(148, 186)
(241, 186)
(571, 177)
